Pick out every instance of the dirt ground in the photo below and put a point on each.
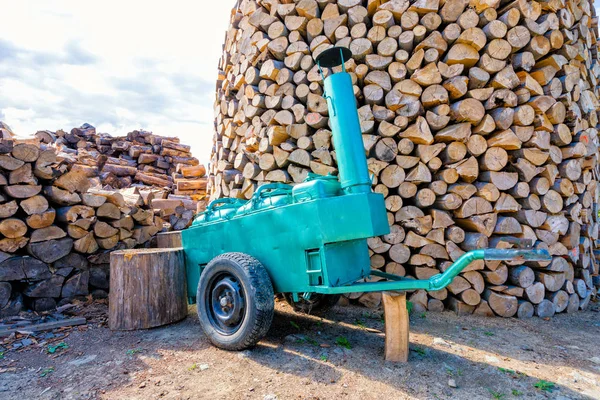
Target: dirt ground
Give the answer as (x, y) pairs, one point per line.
(304, 357)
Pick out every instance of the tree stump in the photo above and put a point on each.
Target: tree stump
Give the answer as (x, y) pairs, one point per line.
(396, 326)
(147, 288)
(169, 240)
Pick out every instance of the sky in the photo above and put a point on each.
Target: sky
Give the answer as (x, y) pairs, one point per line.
(118, 65)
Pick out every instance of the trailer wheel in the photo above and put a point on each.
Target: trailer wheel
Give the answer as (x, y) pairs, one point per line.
(235, 301)
(318, 303)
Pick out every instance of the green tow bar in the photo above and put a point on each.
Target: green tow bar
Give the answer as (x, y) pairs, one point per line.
(439, 281)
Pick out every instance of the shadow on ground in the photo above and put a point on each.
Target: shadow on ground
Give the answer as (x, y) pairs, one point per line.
(306, 357)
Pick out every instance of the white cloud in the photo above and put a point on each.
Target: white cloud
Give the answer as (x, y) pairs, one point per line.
(119, 65)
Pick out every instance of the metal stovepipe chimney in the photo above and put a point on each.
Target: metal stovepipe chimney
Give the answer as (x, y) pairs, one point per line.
(345, 126)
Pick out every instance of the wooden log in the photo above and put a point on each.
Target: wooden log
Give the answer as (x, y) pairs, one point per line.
(13, 228)
(26, 152)
(60, 196)
(397, 327)
(545, 309)
(522, 276)
(8, 209)
(49, 233)
(108, 210)
(134, 306)
(50, 250)
(86, 244)
(526, 310)
(169, 240)
(502, 305)
(22, 191)
(73, 181)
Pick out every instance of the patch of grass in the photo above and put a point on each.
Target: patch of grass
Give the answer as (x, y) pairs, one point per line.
(343, 342)
(1, 355)
(454, 372)
(308, 340)
(420, 351)
(488, 333)
(46, 371)
(295, 325)
(52, 348)
(423, 315)
(131, 352)
(193, 367)
(496, 395)
(409, 306)
(360, 324)
(516, 393)
(506, 371)
(545, 386)
(323, 358)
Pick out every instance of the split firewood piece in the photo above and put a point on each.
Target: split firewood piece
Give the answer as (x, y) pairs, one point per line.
(50, 250)
(73, 181)
(22, 191)
(49, 233)
(22, 174)
(86, 245)
(26, 152)
(73, 213)
(419, 132)
(34, 205)
(9, 209)
(108, 210)
(13, 228)
(61, 197)
(502, 305)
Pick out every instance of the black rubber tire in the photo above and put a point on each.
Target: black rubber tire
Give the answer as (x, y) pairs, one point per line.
(258, 296)
(318, 304)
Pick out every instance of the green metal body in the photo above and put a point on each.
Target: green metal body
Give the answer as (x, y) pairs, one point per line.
(311, 238)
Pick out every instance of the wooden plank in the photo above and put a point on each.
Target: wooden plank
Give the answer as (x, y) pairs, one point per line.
(396, 326)
(44, 326)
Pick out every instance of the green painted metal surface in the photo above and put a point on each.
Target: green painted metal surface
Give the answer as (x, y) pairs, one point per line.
(347, 138)
(283, 238)
(311, 238)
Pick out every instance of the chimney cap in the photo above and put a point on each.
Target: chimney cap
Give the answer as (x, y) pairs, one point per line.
(333, 57)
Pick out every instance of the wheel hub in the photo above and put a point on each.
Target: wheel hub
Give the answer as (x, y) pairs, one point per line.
(227, 303)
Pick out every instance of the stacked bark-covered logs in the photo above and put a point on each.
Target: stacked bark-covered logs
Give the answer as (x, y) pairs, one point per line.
(479, 119)
(139, 159)
(56, 230)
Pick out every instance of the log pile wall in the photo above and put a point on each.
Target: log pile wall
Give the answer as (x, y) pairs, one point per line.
(60, 215)
(479, 119)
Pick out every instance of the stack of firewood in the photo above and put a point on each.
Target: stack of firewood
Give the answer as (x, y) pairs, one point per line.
(57, 230)
(140, 158)
(479, 119)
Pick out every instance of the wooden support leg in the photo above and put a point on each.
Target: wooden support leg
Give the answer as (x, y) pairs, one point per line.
(396, 326)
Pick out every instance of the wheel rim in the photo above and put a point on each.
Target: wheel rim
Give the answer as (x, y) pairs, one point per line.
(225, 303)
